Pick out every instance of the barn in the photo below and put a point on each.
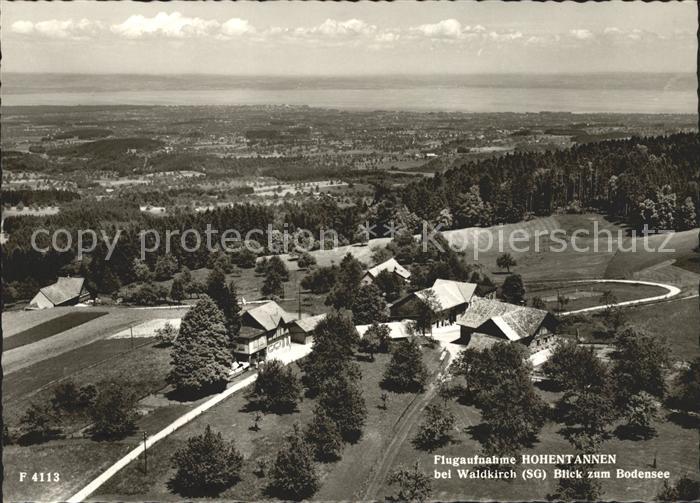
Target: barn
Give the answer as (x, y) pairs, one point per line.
(453, 298)
(65, 292)
(488, 321)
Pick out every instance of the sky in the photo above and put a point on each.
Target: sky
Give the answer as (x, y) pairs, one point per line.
(337, 38)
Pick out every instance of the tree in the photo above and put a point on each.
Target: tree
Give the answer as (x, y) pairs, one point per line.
(293, 474)
(640, 411)
(261, 266)
(513, 290)
(66, 397)
(471, 210)
(141, 271)
(206, 465)
(323, 435)
(276, 264)
(562, 301)
(686, 394)
(39, 423)
(245, 258)
(593, 409)
(577, 489)
(341, 399)
(436, 427)
(232, 311)
(427, 313)
(276, 389)
(167, 334)
(513, 414)
(306, 260)
(406, 370)
(320, 280)
(368, 306)
(575, 368)
(177, 290)
(370, 341)
(506, 261)
(389, 284)
(538, 303)
(201, 354)
(335, 340)
(114, 413)
(216, 287)
(639, 363)
(272, 285)
(414, 485)
(195, 287)
(685, 489)
(166, 267)
(348, 281)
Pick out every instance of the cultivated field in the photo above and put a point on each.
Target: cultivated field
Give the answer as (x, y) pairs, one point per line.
(116, 319)
(50, 327)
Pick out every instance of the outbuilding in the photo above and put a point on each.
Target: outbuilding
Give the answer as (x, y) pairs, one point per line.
(65, 292)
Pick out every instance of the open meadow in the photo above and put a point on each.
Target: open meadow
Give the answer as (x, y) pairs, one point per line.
(344, 479)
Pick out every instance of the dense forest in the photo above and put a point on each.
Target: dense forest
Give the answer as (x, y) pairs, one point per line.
(652, 181)
(634, 179)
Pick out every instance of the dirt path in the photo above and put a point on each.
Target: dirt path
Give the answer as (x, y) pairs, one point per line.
(402, 428)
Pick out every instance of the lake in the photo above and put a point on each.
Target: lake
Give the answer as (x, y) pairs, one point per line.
(626, 93)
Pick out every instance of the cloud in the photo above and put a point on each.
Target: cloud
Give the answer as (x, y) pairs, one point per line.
(173, 25)
(387, 37)
(504, 37)
(445, 29)
(333, 28)
(23, 27)
(581, 34)
(236, 27)
(57, 29)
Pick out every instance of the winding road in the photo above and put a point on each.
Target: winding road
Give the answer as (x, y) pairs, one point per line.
(671, 291)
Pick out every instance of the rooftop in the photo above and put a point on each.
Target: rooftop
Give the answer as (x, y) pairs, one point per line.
(390, 265)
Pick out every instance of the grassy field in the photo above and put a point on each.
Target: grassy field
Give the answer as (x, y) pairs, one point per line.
(674, 446)
(681, 333)
(341, 480)
(50, 327)
(680, 248)
(80, 459)
(583, 295)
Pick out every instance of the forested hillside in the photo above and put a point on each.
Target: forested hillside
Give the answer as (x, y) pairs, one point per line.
(641, 180)
(652, 181)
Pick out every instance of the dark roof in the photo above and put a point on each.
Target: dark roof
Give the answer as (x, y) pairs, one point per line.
(250, 332)
(515, 322)
(63, 290)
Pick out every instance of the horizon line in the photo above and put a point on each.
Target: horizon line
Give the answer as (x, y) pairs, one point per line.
(316, 75)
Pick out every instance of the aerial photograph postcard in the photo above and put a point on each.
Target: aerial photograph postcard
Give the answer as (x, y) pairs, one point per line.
(409, 251)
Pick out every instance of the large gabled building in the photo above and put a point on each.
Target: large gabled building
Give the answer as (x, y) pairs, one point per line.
(264, 330)
(65, 292)
(488, 321)
(452, 299)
